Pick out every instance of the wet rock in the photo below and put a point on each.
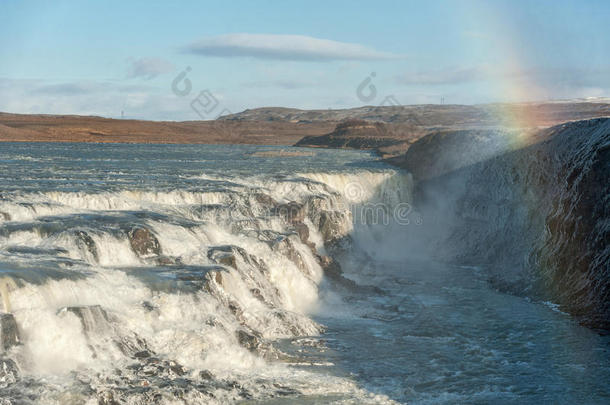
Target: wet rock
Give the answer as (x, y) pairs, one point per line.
(226, 255)
(255, 343)
(100, 329)
(226, 259)
(265, 200)
(536, 216)
(167, 260)
(106, 398)
(143, 354)
(256, 292)
(303, 231)
(334, 273)
(297, 324)
(144, 243)
(441, 152)
(86, 242)
(236, 310)
(206, 375)
(132, 344)
(214, 281)
(176, 368)
(5, 216)
(250, 341)
(287, 248)
(333, 226)
(332, 268)
(9, 372)
(93, 318)
(283, 390)
(9, 334)
(292, 212)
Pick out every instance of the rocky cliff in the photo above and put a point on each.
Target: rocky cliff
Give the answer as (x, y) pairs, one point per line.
(362, 134)
(536, 214)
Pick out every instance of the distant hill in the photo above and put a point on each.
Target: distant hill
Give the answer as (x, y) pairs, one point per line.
(429, 115)
(390, 129)
(73, 128)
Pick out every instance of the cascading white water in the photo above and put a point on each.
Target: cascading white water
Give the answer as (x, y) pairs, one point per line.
(192, 281)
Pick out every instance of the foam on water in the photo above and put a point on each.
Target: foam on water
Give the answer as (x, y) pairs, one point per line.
(171, 274)
(189, 276)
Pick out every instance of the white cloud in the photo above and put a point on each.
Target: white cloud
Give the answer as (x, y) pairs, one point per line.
(284, 47)
(149, 68)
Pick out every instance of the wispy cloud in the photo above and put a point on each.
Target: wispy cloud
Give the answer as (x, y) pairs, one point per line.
(149, 68)
(284, 47)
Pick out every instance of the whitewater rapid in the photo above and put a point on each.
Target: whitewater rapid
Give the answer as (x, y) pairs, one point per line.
(126, 276)
(170, 274)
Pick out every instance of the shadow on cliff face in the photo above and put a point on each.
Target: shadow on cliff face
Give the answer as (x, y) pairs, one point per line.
(538, 216)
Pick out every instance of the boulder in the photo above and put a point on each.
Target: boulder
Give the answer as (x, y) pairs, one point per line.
(224, 255)
(143, 242)
(5, 216)
(334, 274)
(9, 372)
(206, 375)
(248, 340)
(9, 334)
(86, 242)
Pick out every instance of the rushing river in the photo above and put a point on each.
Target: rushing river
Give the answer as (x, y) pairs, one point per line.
(203, 274)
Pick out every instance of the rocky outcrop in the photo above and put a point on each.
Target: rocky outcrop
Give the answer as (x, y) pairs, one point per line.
(302, 231)
(353, 134)
(444, 152)
(537, 216)
(100, 330)
(224, 255)
(333, 225)
(9, 372)
(86, 243)
(291, 212)
(288, 248)
(9, 334)
(93, 318)
(143, 242)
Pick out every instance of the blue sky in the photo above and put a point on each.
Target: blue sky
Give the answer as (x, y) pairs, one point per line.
(104, 57)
